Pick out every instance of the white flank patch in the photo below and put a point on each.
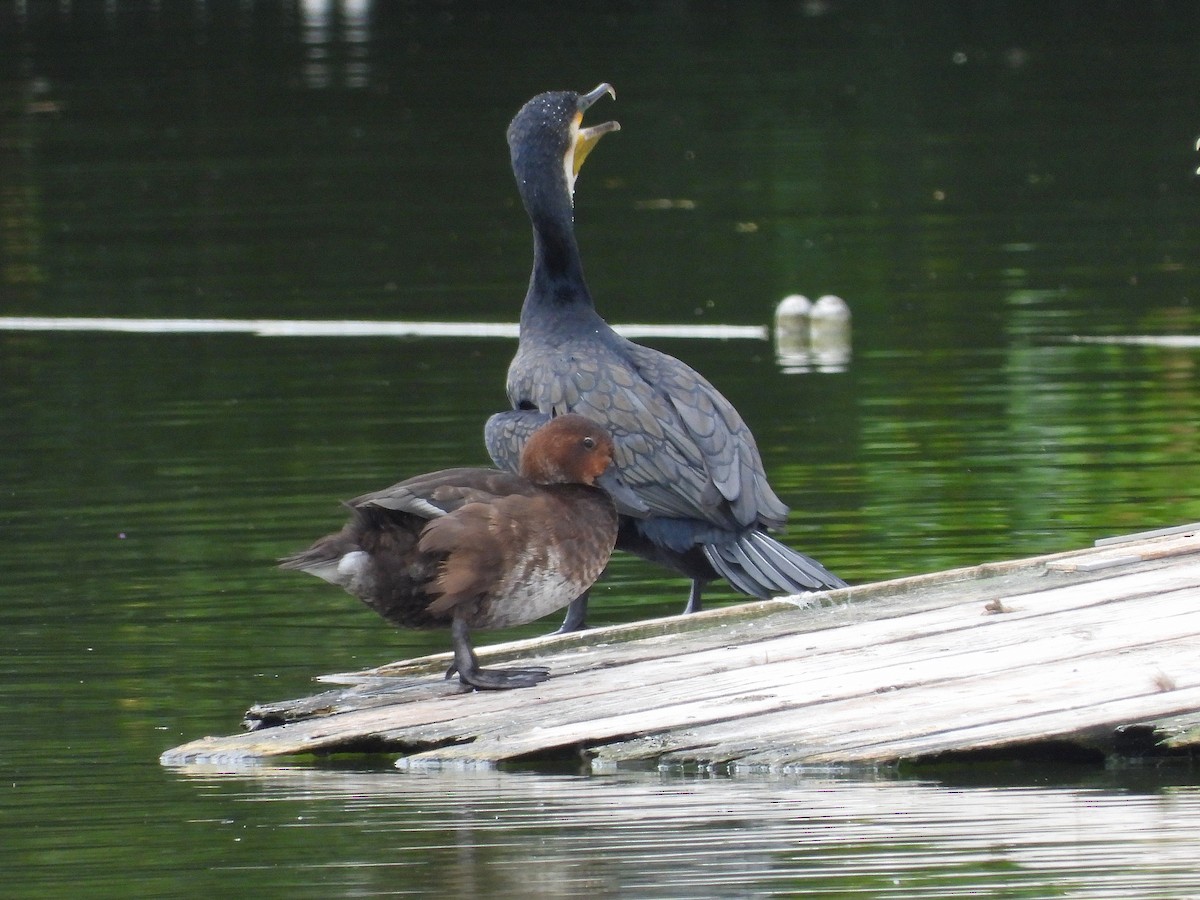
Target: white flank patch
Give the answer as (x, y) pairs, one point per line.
(350, 566)
(536, 590)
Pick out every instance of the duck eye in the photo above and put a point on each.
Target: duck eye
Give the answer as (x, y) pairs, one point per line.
(589, 443)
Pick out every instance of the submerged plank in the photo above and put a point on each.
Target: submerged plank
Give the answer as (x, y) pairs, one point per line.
(1093, 648)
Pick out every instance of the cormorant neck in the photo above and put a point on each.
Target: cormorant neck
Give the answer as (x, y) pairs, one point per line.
(557, 278)
(556, 253)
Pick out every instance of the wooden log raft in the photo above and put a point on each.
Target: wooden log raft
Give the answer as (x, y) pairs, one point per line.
(1092, 653)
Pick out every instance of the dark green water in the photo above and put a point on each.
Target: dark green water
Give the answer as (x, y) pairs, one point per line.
(981, 182)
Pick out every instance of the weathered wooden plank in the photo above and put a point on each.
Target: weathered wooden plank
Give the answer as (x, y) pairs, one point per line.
(1034, 726)
(916, 666)
(1082, 700)
(1190, 530)
(1111, 554)
(877, 684)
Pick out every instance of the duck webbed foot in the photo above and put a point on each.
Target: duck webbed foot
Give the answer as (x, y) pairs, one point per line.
(502, 679)
(472, 677)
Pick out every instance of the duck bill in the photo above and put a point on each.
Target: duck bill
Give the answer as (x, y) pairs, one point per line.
(627, 502)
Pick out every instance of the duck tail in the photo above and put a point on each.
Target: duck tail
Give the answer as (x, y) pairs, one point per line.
(757, 564)
(327, 558)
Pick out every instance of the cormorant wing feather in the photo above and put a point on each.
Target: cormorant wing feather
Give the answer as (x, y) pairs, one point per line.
(505, 434)
(620, 385)
(719, 433)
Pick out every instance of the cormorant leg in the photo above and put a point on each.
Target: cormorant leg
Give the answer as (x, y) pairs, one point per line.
(576, 618)
(694, 604)
(471, 676)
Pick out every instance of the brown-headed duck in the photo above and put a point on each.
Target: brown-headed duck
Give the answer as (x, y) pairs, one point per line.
(481, 548)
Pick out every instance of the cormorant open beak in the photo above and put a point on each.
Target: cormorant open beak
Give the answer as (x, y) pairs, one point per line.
(627, 502)
(586, 138)
(586, 100)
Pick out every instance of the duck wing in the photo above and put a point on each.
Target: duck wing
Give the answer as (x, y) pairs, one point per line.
(515, 560)
(435, 494)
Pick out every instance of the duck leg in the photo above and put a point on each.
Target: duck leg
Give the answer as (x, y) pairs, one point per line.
(471, 676)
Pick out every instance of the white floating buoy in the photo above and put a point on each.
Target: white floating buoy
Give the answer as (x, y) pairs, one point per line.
(793, 306)
(829, 333)
(830, 306)
(791, 333)
(812, 336)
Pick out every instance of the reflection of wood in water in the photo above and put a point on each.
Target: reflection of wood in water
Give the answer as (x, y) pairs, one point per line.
(821, 834)
(1082, 654)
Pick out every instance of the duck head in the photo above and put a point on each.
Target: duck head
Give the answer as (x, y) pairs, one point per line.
(546, 136)
(570, 449)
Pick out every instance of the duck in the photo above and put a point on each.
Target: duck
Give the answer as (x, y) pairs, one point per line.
(480, 548)
(704, 505)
